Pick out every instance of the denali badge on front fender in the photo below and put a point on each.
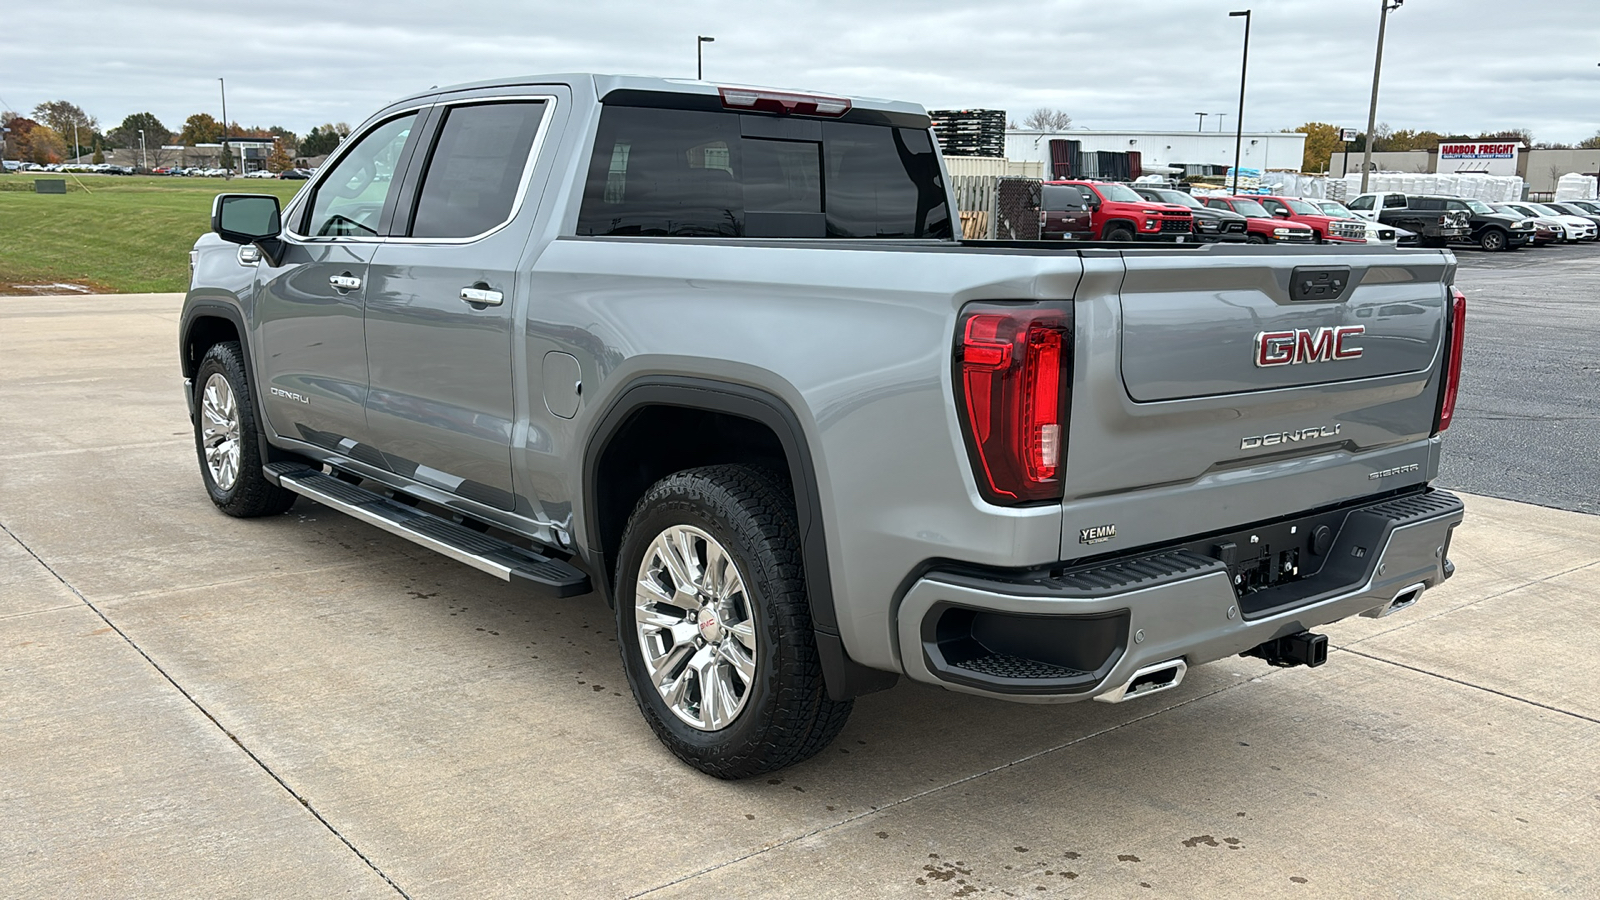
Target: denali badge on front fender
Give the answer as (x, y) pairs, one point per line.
(1302, 345)
(1097, 534)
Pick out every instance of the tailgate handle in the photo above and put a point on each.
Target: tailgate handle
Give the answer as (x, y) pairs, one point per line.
(1319, 284)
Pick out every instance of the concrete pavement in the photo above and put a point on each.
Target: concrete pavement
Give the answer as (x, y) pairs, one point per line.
(196, 706)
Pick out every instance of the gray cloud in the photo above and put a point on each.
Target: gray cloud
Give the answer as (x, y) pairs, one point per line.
(1465, 65)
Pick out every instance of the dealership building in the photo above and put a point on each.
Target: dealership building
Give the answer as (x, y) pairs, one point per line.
(1193, 152)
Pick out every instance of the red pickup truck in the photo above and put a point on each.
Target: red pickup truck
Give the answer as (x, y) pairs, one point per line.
(1261, 226)
(1329, 229)
(1100, 211)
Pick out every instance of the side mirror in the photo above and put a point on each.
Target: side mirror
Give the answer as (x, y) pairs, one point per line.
(1281, 213)
(249, 219)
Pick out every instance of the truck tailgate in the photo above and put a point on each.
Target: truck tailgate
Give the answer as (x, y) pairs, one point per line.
(1233, 386)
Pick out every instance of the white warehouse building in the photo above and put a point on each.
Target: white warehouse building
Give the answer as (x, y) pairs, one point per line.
(1194, 151)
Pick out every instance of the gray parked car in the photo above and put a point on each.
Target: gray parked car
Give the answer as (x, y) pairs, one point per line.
(716, 355)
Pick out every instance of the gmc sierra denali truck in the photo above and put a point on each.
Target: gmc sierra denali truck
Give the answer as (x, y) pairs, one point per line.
(714, 354)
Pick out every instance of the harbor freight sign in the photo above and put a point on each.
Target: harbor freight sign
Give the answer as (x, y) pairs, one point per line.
(1485, 158)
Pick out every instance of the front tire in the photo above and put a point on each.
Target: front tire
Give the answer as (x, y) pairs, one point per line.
(1492, 240)
(1255, 239)
(1118, 232)
(225, 437)
(714, 624)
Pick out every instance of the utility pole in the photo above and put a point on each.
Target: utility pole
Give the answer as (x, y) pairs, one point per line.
(699, 56)
(1244, 64)
(1372, 111)
(229, 174)
(1202, 125)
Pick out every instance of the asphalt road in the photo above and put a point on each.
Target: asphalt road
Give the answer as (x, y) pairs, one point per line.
(1530, 384)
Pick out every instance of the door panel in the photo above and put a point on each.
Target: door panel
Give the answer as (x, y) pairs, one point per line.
(314, 375)
(442, 399)
(310, 307)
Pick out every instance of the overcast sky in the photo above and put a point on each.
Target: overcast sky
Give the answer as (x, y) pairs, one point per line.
(1464, 65)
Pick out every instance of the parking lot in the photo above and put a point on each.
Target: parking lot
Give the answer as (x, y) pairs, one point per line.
(306, 706)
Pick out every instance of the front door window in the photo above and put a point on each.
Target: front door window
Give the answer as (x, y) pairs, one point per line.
(349, 201)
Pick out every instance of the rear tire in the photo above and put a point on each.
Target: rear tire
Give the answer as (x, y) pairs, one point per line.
(227, 440)
(714, 624)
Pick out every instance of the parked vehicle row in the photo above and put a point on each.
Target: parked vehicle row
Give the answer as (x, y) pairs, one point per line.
(1092, 210)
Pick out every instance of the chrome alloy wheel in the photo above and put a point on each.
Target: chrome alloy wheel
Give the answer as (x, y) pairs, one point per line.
(695, 629)
(219, 431)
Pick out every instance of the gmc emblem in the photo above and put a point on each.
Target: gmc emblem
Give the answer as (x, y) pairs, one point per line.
(1302, 345)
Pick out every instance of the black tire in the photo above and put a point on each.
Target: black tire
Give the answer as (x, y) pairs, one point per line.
(1492, 240)
(251, 495)
(1255, 239)
(1117, 231)
(787, 716)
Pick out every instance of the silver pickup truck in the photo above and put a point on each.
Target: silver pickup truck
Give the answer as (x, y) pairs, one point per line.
(715, 354)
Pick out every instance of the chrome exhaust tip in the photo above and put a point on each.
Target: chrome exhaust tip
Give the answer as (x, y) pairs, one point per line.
(1403, 599)
(1148, 680)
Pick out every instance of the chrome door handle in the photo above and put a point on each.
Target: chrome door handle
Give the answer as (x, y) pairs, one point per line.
(344, 282)
(482, 296)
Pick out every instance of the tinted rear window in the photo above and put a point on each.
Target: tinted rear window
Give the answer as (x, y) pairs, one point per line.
(695, 173)
(475, 169)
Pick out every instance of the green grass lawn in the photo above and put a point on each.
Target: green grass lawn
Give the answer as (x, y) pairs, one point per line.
(123, 234)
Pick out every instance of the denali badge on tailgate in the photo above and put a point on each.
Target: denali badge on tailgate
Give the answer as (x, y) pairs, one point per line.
(1302, 345)
(1289, 437)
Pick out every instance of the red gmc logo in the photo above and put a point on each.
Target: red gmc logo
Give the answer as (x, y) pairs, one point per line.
(1302, 345)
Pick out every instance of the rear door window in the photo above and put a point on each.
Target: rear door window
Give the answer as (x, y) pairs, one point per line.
(1394, 201)
(474, 172)
(701, 173)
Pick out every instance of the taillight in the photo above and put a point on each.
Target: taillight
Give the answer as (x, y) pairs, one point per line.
(1010, 363)
(1452, 378)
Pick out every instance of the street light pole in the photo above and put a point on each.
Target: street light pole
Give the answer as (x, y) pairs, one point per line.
(144, 158)
(699, 56)
(1372, 111)
(1244, 64)
(77, 153)
(229, 174)
(1220, 117)
(1202, 125)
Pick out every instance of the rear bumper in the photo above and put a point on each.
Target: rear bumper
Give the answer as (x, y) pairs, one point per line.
(1086, 631)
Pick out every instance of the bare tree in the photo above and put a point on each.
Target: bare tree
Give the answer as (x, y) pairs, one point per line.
(1045, 119)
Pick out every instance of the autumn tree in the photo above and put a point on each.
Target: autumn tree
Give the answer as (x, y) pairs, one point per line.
(287, 138)
(279, 159)
(1045, 119)
(200, 128)
(321, 140)
(33, 142)
(1322, 141)
(127, 134)
(61, 116)
(1590, 143)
